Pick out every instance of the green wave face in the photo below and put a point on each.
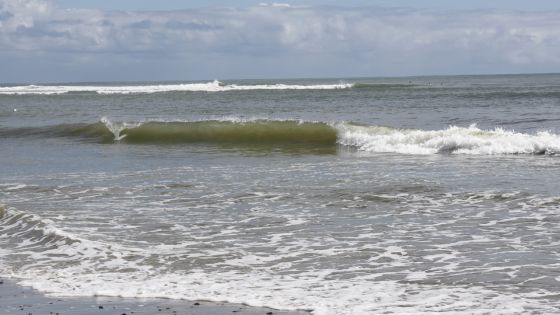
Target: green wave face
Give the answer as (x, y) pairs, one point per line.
(97, 131)
(289, 136)
(256, 132)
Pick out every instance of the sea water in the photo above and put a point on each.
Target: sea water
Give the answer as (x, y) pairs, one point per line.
(356, 196)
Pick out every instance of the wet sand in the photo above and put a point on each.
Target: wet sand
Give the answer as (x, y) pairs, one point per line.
(15, 299)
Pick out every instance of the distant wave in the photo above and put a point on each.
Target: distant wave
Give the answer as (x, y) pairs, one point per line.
(214, 86)
(265, 132)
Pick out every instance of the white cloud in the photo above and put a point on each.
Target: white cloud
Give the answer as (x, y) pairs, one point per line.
(370, 40)
(21, 13)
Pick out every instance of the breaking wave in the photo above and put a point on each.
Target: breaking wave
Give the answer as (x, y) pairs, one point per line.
(265, 132)
(214, 86)
(453, 140)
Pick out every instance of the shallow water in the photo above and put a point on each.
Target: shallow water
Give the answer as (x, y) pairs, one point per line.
(429, 194)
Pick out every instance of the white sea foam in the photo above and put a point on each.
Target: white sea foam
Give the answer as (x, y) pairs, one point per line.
(305, 292)
(214, 86)
(99, 272)
(455, 140)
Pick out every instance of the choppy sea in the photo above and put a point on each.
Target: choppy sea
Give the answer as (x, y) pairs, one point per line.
(415, 195)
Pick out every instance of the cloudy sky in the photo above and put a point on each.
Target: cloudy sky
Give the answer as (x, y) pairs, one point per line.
(143, 40)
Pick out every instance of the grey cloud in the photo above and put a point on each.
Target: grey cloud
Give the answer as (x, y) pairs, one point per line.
(39, 31)
(144, 24)
(5, 15)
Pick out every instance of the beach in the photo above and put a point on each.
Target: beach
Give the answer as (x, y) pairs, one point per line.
(16, 299)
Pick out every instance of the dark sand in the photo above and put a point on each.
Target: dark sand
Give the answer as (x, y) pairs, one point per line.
(15, 299)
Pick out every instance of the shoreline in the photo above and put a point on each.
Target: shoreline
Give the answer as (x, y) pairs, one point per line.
(17, 299)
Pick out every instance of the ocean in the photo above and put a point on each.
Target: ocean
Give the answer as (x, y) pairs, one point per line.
(415, 195)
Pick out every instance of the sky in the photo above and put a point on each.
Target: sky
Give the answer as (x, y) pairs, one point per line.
(419, 4)
(146, 40)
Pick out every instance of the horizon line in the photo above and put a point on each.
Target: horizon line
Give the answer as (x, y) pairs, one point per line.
(281, 78)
